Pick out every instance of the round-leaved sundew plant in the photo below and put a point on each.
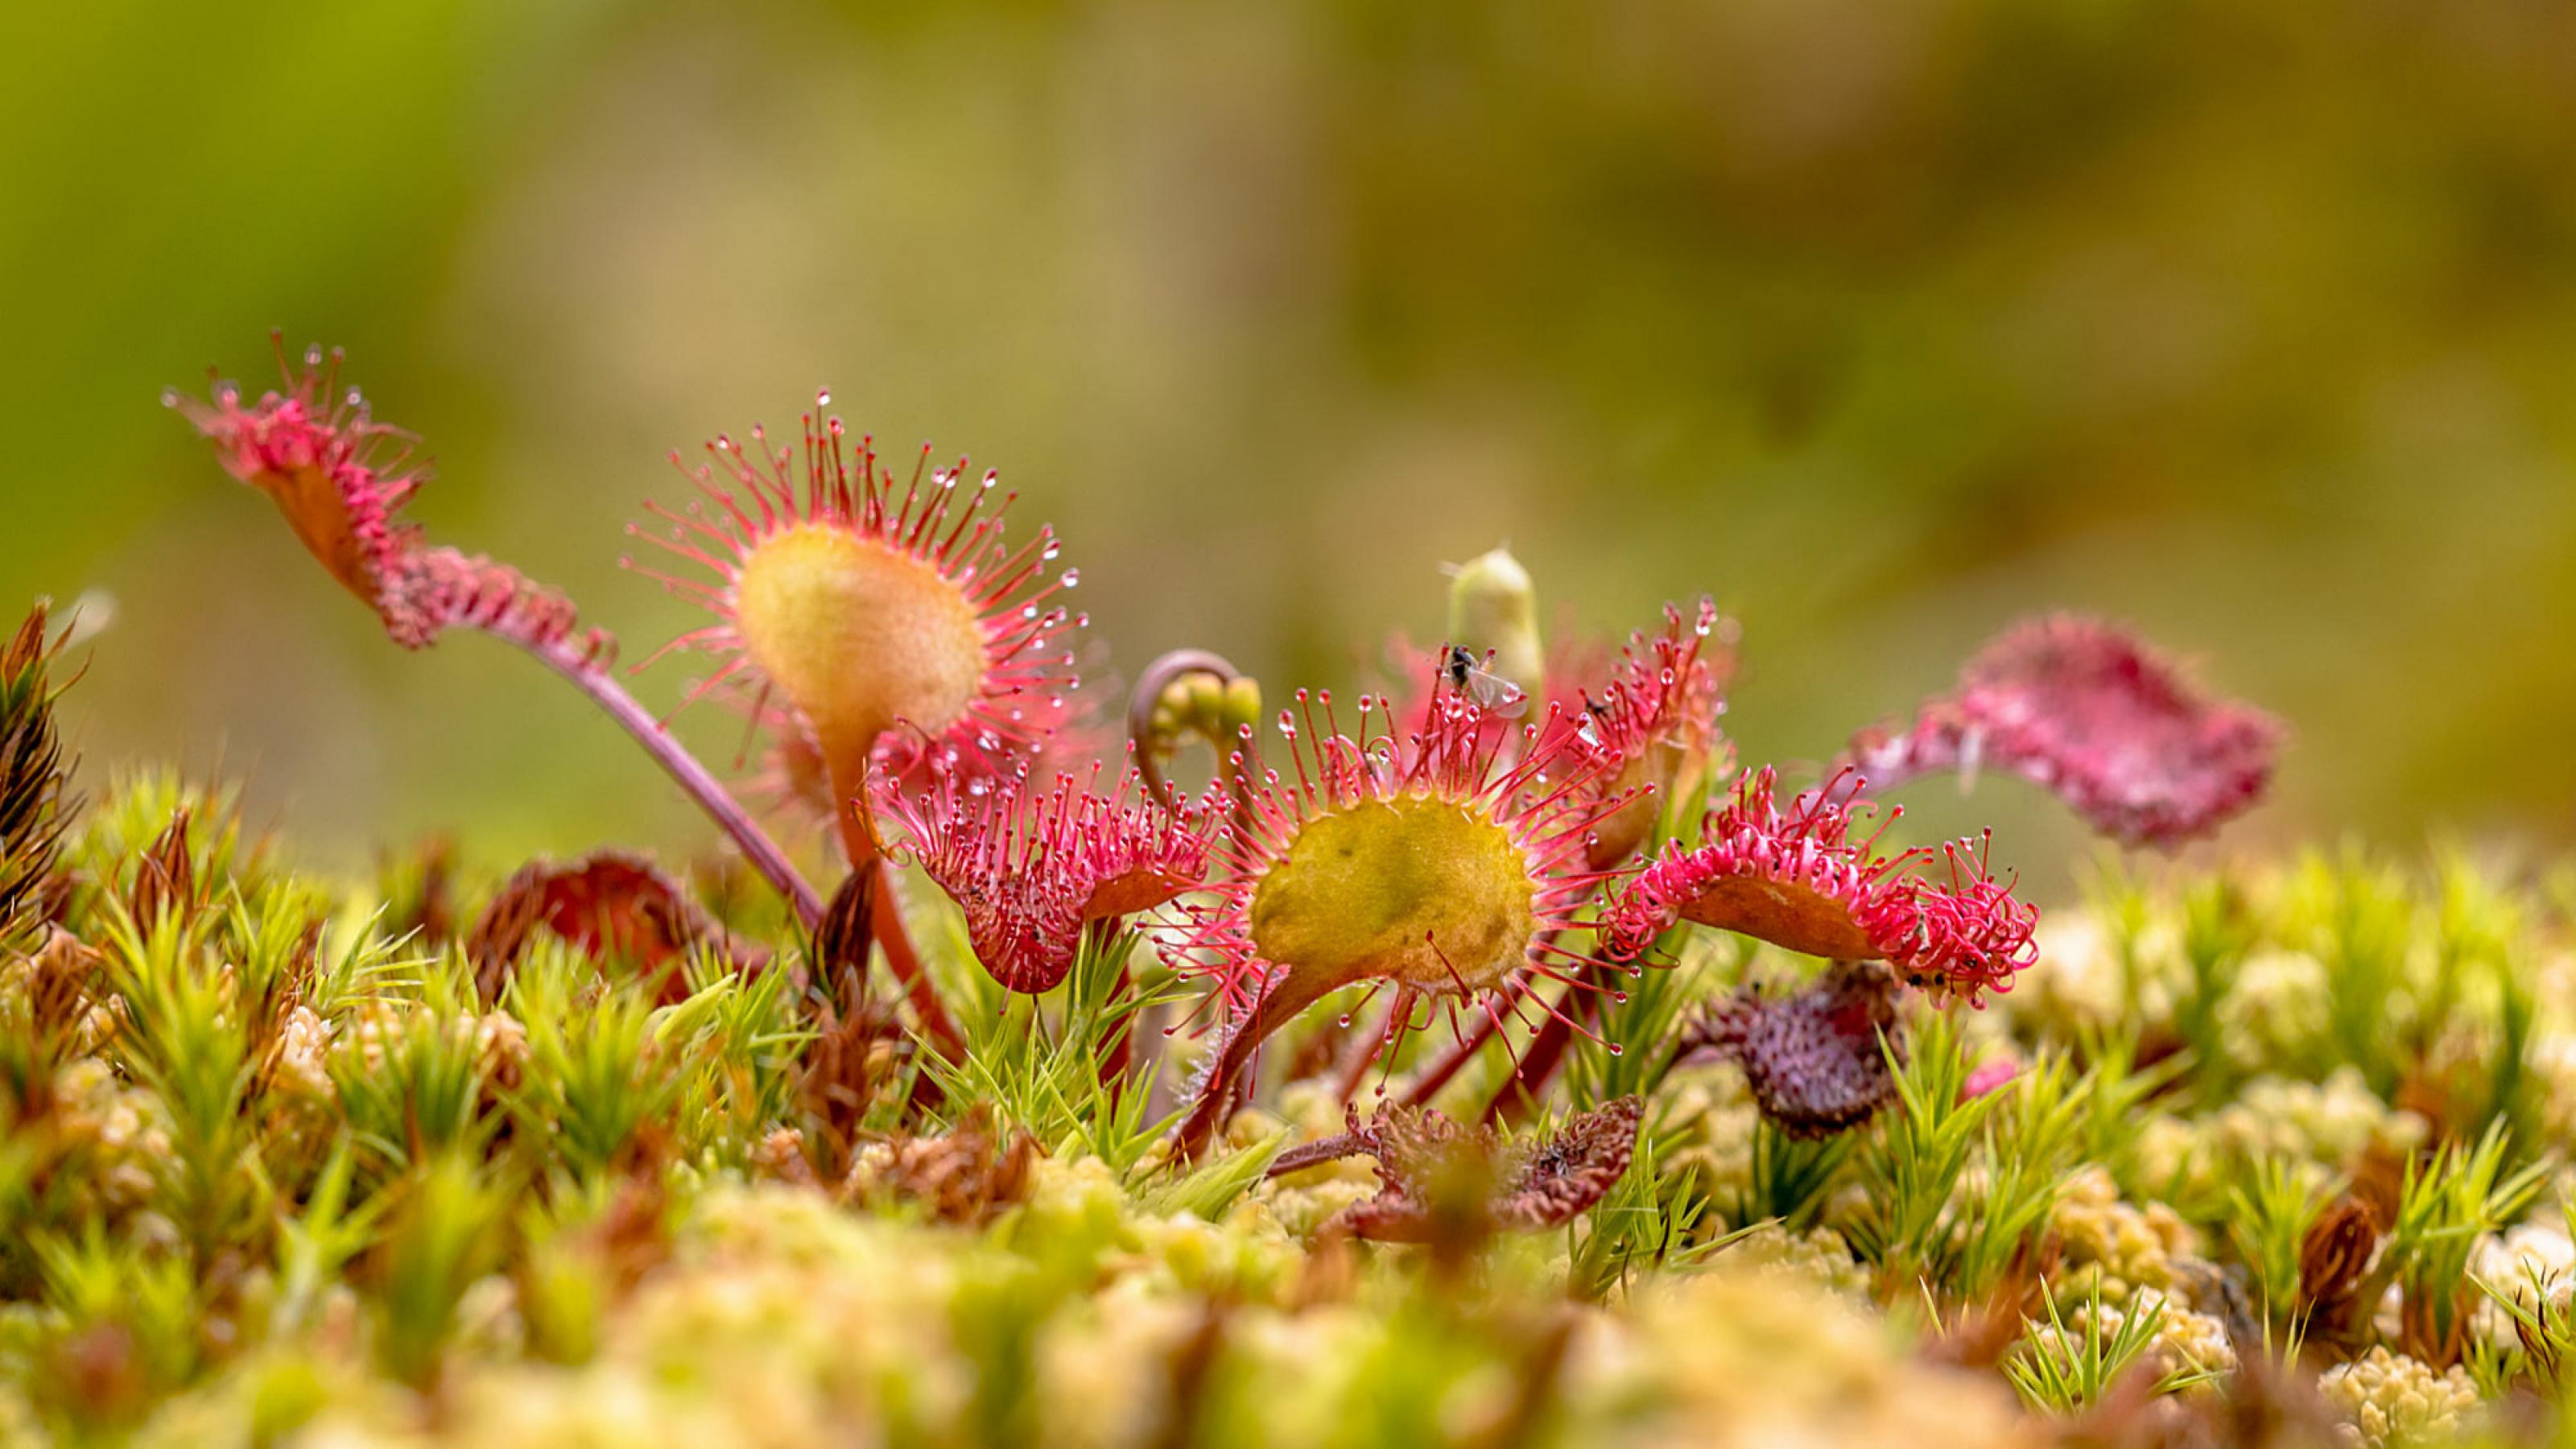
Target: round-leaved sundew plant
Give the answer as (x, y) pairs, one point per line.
(1486, 844)
(1648, 719)
(1031, 869)
(1642, 723)
(891, 619)
(888, 624)
(340, 477)
(2097, 716)
(1446, 864)
(882, 627)
(1803, 877)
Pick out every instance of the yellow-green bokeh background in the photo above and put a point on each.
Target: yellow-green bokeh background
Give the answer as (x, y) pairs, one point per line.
(2253, 321)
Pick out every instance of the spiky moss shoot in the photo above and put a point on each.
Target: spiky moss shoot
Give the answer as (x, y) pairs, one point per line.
(32, 770)
(891, 619)
(1446, 865)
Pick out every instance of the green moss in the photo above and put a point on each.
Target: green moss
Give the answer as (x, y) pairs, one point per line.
(271, 1167)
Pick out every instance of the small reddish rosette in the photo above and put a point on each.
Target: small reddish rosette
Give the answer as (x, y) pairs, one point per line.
(1816, 1058)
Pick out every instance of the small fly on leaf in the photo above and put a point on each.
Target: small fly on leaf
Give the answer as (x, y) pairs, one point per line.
(1492, 693)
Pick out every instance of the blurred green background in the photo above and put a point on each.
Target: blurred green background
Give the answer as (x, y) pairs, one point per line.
(2251, 321)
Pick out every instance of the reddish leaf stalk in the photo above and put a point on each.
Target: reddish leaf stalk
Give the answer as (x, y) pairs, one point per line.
(1488, 1025)
(1367, 1042)
(577, 665)
(1351, 1068)
(1220, 1086)
(1546, 1051)
(859, 843)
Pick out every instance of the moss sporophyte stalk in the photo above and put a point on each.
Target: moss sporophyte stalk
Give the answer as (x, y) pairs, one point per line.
(1052, 1116)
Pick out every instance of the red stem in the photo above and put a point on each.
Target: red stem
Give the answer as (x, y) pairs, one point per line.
(1489, 1025)
(1450, 1062)
(1217, 1089)
(887, 923)
(578, 665)
(1547, 1048)
(1367, 1040)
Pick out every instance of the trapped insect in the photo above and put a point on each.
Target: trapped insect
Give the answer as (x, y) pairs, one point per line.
(1491, 692)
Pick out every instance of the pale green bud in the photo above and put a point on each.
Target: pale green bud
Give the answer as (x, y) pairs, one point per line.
(1494, 606)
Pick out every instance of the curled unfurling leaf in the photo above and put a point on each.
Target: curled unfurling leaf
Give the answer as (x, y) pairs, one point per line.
(1184, 694)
